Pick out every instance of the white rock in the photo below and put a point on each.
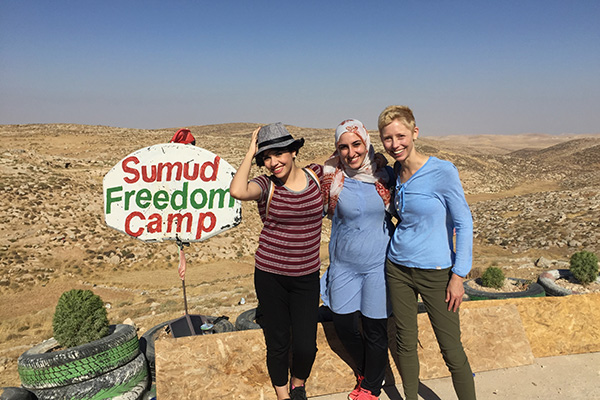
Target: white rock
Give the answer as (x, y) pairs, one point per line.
(114, 259)
(129, 321)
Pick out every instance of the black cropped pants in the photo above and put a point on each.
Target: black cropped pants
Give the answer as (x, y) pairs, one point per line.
(368, 346)
(289, 306)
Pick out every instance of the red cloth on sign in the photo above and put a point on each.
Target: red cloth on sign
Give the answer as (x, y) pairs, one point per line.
(181, 268)
(183, 136)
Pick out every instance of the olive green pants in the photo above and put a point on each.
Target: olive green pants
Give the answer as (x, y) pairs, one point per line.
(405, 284)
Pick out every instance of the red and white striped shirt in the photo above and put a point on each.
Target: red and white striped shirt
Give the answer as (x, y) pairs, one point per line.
(290, 240)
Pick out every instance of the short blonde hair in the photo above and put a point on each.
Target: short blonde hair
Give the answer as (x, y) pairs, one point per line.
(401, 113)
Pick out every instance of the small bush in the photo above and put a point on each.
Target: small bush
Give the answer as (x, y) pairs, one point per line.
(80, 318)
(493, 277)
(584, 266)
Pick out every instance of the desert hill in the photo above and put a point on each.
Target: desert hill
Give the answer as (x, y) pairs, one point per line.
(531, 196)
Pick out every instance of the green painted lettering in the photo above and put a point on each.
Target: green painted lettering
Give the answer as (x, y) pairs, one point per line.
(161, 199)
(143, 198)
(128, 195)
(221, 193)
(195, 203)
(110, 199)
(184, 197)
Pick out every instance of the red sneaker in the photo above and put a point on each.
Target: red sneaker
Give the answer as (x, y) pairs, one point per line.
(354, 394)
(365, 394)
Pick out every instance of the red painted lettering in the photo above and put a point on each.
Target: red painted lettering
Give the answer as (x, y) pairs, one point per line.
(186, 171)
(168, 167)
(145, 176)
(201, 226)
(155, 223)
(178, 218)
(128, 224)
(128, 170)
(215, 169)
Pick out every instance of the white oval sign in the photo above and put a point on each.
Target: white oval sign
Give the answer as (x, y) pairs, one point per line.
(170, 191)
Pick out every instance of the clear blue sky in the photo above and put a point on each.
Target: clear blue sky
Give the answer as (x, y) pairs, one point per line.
(465, 67)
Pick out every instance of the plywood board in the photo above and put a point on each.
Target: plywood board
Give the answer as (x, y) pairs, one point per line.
(556, 325)
(493, 337)
(232, 365)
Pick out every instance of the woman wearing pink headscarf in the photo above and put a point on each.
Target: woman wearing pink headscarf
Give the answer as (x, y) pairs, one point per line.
(357, 198)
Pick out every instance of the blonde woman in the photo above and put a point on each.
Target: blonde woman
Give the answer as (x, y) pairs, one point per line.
(422, 258)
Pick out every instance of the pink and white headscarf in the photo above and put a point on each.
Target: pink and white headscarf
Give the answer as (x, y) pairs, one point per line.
(336, 169)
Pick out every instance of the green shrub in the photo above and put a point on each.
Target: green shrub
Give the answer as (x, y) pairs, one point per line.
(80, 318)
(493, 277)
(584, 266)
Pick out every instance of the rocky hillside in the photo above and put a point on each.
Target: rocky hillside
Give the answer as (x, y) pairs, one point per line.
(52, 221)
(530, 196)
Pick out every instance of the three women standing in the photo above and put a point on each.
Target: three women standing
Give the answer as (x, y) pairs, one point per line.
(422, 258)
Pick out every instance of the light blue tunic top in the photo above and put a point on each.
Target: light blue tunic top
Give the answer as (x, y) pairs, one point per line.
(431, 205)
(360, 233)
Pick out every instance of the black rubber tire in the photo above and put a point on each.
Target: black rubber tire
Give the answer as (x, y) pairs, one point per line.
(548, 281)
(534, 290)
(247, 321)
(150, 394)
(41, 369)
(147, 345)
(150, 335)
(222, 325)
(128, 382)
(16, 393)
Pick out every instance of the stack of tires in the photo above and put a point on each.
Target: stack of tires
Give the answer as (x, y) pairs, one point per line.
(110, 367)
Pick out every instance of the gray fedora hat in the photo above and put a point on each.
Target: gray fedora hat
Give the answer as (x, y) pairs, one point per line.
(275, 136)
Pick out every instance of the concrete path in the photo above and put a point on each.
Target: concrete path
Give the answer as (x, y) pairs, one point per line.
(572, 377)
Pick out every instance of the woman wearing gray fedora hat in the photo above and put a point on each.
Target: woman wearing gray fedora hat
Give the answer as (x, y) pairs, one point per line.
(287, 260)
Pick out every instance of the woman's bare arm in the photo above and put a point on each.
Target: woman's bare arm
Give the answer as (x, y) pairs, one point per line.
(240, 188)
